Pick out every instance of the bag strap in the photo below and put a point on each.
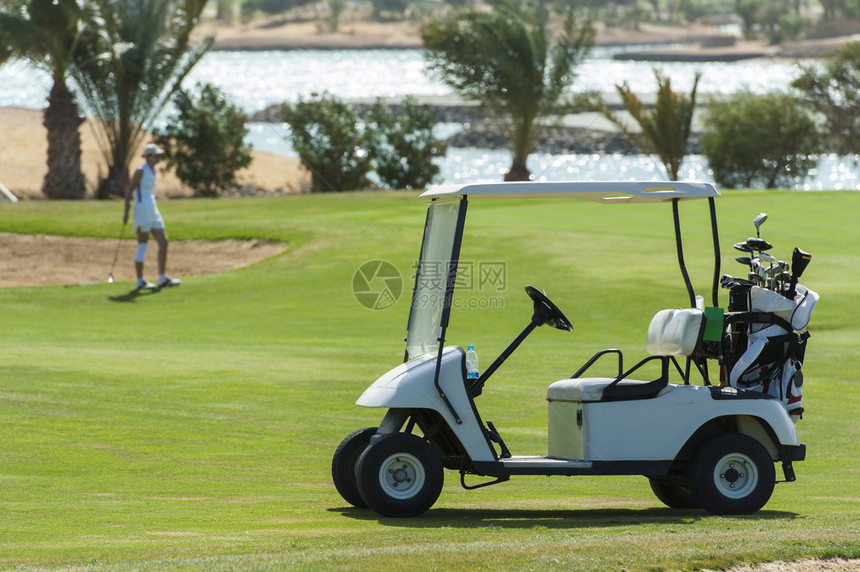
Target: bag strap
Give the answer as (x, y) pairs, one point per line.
(757, 318)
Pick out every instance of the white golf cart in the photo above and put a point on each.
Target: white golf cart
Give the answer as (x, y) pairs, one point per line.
(707, 444)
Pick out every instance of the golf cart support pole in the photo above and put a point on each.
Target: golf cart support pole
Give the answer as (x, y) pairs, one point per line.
(716, 234)
(679, 247)
(446, 308)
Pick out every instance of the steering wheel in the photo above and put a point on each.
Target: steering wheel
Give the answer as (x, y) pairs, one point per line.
(545, 312)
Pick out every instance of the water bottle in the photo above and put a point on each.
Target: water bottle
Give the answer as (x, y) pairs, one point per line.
(471, 363)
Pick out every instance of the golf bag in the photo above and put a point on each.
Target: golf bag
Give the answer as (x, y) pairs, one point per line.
(765, 342)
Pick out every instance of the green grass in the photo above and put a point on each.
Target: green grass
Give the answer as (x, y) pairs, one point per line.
(194, 428)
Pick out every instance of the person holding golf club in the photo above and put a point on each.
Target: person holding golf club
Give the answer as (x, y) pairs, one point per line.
(147, 219)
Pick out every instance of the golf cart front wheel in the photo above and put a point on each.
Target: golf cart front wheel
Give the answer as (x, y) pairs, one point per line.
(399, 475)
(344, 463)
(733, 474)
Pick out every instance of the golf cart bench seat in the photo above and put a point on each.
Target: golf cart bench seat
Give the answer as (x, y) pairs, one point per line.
(672, 333)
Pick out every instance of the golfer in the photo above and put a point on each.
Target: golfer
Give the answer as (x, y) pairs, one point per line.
(147, 219)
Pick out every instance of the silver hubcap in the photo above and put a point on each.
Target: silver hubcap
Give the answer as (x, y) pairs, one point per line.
(736, 476)
(401, 476)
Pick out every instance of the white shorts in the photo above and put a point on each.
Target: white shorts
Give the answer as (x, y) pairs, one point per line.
(147, 221)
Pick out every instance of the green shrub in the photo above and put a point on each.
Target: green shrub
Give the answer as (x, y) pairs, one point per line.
(748, 11)
(324, 131)
(402, 146)
(205, 141)
(758, 141)
(340, 150)
(834, 91)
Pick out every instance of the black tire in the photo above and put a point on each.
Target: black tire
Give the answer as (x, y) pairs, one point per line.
(344, 462)
(673, 493)
(732, 474)
(400, 475)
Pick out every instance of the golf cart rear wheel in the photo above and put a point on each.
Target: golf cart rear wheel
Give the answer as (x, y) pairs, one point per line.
(673, 493)
(400, 475)
(344, 463)
(733, 474)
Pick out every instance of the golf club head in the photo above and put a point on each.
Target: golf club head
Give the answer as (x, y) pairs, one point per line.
(110, 279)
(745, 260)
(758, 221)
(799, 261)
(765, 257)
(743, 247)
(758, 244)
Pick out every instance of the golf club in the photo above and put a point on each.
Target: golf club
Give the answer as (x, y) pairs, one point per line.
(758, 221)
(799, 261)
(765, 257)
(743, 247)
(758, 244)
(116, 254)
(782, 279)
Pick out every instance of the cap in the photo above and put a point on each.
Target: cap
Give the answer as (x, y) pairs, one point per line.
(152, 149)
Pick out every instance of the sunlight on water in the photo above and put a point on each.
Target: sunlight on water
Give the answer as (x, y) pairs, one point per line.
(22, 85)
(255, 80)
(759, 76)
(258, 79)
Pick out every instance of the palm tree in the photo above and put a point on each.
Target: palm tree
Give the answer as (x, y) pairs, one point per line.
(664, 130)
(140, 62)
(50, 34)
(511, 63)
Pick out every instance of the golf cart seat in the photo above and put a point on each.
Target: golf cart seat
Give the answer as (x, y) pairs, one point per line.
(671, 334)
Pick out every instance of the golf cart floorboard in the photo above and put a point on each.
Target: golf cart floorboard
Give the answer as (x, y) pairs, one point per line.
(534, 465)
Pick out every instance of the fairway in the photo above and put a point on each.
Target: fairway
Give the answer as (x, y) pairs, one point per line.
(194, 428)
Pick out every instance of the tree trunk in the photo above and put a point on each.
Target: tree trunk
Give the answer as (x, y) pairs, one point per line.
(518, 171)
(115, 184)
(64, 179)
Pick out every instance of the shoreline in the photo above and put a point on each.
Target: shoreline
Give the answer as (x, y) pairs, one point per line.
(700, 42)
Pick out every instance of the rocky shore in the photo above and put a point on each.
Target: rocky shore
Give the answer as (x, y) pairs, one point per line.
(480, 132)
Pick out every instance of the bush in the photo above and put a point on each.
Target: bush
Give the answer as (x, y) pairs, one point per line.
(340, 151)
(402, 146)
(324, 132)
(753, 141)
(834, 91)
(205, 141)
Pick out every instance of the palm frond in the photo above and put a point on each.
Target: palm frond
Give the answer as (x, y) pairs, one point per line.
(129, 76)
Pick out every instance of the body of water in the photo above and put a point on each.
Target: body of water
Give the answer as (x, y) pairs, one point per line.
(255, 80)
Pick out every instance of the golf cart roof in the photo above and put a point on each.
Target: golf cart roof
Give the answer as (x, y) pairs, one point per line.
(607, 192)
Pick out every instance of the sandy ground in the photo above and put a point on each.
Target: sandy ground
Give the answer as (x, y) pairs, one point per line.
(24, 148)
(39, 260)
(830, 565)
(273, 33)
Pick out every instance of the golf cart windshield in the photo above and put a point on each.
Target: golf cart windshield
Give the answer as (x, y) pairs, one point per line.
(431, 297)
(443, 231)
